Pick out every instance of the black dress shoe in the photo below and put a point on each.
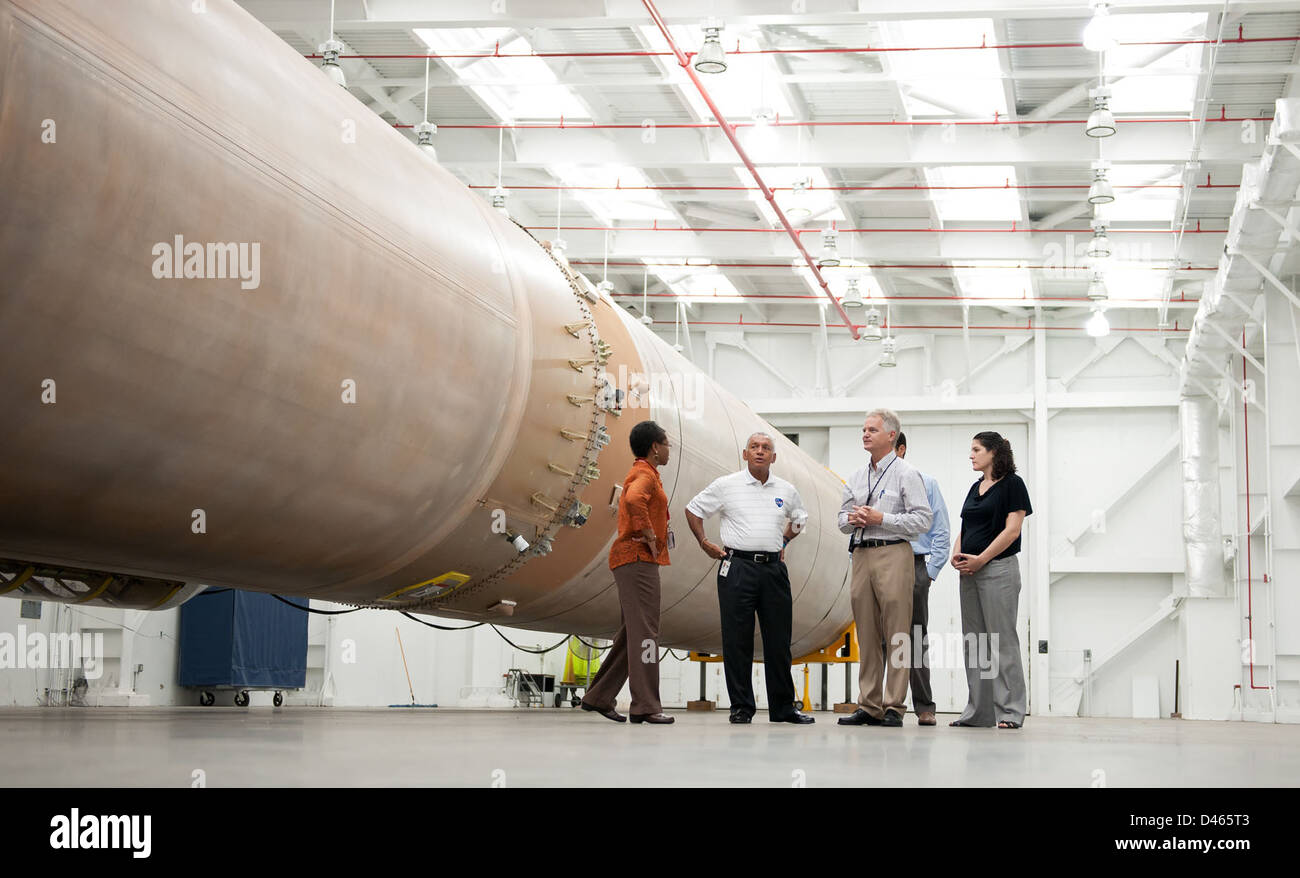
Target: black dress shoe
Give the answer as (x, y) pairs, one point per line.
(738, 717)
(893, 719)
(611, 713)
(859, 717)
(657, 719)
(797, 718)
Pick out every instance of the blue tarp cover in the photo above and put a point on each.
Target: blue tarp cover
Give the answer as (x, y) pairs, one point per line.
(243, 638)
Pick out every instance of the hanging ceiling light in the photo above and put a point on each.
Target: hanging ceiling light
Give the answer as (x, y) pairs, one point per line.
(1099, 34)
(424, 132)
(329, 51)
(1099, 247)
(711, 58)
(853, 297)
(830, 249)
(1097, 287)
(797, 206)
(888, 348)
(871, 332)
(1101, 121)
(499, 200)
(1100, 192)
(761, 134)
(1098, 326)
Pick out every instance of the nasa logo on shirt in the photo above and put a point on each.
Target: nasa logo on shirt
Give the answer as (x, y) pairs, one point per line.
(779, 502)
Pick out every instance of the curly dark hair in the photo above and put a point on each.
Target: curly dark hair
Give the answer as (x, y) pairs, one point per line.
(1003, 462)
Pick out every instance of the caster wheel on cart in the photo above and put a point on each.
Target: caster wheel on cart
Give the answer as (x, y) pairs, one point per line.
(241, 698)
(278, 699)
(207, 699)
(558, 698)
(575, 701)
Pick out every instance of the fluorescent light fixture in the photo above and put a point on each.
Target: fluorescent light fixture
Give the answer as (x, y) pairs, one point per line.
(830, 250)
(1097, 287)
(797, 206)
(711, 58)
(329, 51)
(424, 132)
(499, 200)
(1101, 121)
(1099, 34)
(1099, 247)
(1100, 192)
(853, 296)
(871, 331)
(1098, 326)
(888, 350)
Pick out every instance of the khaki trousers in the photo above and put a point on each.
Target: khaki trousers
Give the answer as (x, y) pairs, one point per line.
(634, 656)
(881, 594)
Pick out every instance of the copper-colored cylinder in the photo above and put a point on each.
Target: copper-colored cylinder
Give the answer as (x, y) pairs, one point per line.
(407, 374)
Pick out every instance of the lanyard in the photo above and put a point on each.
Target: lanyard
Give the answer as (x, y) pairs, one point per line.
(871, 490)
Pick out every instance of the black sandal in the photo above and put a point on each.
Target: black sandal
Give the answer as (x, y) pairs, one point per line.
(1008, 724)
(958, 722)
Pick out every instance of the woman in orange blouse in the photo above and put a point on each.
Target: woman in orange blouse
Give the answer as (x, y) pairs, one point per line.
(640, 549)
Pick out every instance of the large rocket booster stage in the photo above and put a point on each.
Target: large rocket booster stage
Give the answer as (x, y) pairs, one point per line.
(254, 338)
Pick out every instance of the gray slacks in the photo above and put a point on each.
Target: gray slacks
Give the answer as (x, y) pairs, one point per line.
(995, 678)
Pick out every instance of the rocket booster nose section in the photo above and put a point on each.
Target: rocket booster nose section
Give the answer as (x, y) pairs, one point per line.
(265, 343)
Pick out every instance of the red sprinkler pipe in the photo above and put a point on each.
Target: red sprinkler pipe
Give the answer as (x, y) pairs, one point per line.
(778, 266)
(552, 187)
(1027, 326)
(730, 131)
(829, 50)
(1014, 228)
(827, 123)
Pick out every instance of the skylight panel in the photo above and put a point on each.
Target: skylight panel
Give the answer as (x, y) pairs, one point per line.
(608, 202)
(993, 280)
(515, 89)
(960, 83)
(1155, 94)
(691, 283)
(955, 205)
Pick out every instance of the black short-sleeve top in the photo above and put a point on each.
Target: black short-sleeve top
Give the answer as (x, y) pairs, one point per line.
(983, 518)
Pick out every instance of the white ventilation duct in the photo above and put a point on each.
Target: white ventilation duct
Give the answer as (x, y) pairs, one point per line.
(1205, 384)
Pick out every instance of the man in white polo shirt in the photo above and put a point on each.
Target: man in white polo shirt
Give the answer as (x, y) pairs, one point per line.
(761, 513)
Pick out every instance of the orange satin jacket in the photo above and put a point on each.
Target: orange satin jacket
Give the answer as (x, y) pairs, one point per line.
(643, 504)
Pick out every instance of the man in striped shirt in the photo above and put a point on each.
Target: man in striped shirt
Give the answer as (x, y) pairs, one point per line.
(884, 508)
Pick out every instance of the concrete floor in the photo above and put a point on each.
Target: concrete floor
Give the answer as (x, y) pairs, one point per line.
(300, 746)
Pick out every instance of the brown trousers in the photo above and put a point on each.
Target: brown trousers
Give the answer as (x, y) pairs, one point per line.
(881, 594)
(634, 657)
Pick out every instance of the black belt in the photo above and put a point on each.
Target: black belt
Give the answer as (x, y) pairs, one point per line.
(756, 557)
(875, 544)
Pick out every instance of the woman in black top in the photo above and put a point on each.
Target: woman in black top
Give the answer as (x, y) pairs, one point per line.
(985, 556)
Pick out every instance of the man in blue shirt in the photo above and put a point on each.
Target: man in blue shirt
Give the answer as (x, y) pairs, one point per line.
(930, 553)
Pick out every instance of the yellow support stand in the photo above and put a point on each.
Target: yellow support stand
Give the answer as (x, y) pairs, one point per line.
(846, 642)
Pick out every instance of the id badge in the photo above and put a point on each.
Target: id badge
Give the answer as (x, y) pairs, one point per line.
(726, 565)
(671, 542)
